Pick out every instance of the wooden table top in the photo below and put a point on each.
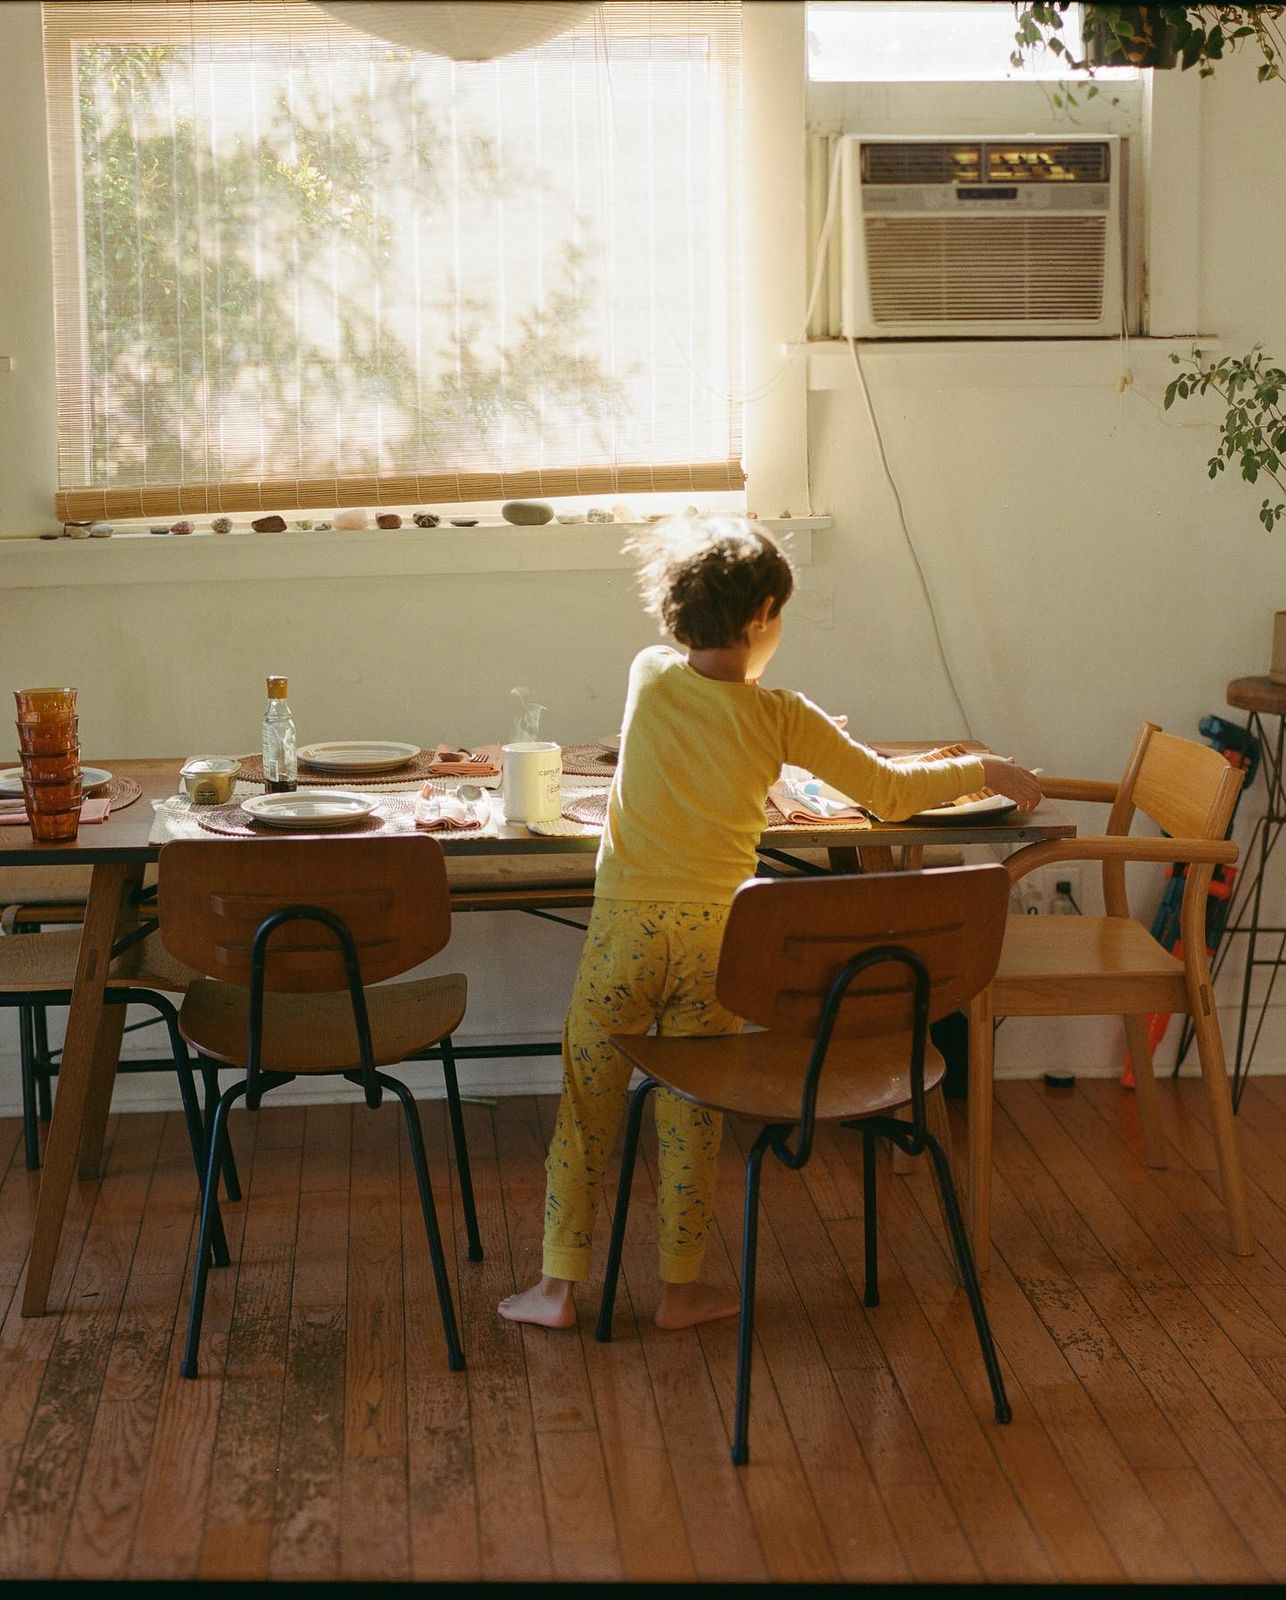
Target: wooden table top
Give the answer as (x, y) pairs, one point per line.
(124, 836)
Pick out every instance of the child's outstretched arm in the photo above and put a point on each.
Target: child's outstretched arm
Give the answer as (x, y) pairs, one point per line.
(890, 789)
(1004, 776)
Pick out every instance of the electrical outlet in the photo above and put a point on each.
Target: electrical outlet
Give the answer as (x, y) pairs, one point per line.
(1039, 889)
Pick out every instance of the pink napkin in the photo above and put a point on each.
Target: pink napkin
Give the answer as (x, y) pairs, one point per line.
(447, 761)
(801, 815)
(14, 811)
(451, 814)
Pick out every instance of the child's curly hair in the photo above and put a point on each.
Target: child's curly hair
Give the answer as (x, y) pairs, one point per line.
(704, 578)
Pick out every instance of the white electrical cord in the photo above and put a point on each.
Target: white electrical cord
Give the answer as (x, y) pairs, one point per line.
(906, 534)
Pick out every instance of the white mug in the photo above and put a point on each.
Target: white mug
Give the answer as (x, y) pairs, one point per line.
(531, 772)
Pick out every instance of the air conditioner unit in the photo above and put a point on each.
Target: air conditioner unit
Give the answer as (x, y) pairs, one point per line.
(981, 237)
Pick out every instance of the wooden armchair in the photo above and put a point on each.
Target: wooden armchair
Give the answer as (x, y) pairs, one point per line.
(1093, 966)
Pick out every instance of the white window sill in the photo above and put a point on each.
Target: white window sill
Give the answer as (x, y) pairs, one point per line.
(998, 363)
(141, 557)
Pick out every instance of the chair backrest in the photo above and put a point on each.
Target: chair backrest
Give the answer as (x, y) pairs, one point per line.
(785, 942)
(391, 894)
(1187, 788)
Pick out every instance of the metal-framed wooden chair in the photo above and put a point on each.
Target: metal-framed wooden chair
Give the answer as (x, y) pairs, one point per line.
(33, 902)
(299, 936)
(1095, 966)
(844, 974)
(38, 970)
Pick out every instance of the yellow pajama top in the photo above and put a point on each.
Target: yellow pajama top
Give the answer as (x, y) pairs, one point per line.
(686, 807)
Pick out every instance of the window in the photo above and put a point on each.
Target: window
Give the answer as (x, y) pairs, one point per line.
(892, 41)
(298, 266)
(928, 71)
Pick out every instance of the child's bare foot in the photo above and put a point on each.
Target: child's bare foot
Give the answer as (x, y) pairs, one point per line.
(547, 1304)
(683, 1305)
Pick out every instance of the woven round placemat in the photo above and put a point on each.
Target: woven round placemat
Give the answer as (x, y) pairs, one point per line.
(591, 809)
(413, 771)
(588, 761)
(397, 815)
(121, 792)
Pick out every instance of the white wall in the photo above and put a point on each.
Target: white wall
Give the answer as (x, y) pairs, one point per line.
(1086, 573)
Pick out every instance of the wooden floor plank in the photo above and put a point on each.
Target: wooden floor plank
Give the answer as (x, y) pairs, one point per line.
(1043, 1482)
(47, 1472)
(242, 1488)
(327, 1439)
(106, 1508)
(1254, 1505)
(513, 1536)
(442, 1496)
(308, 1507)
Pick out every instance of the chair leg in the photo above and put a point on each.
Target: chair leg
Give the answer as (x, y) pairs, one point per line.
(981, 1090)
(872, 1294)
(196, 1128)
(1232, 1182)
(461, 1150)
(44, 1093)
(455, 1355)
(746, 1320)
(209, 1204)
(27, 1061)
(938, 1122)
(624, 1182)
(210, 1083)
(964, 1259)
(1145, 1091)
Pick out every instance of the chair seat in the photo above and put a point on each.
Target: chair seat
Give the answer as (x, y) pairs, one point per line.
(1084, 966)
(761, 1075)
(315, 1032)
(46, 963)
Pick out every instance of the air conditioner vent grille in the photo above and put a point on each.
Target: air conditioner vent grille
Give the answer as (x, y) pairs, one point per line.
(1010, 269)
(1013, 161)
(922, 162)
(1084, 162)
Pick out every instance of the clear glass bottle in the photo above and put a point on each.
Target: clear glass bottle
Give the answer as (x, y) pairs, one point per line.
(280, 765)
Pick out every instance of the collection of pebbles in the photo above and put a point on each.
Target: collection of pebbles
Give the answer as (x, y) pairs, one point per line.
(518, 513)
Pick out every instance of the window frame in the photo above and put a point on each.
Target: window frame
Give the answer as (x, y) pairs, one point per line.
(663, 486)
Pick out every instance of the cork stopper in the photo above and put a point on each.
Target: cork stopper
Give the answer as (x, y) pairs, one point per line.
(276, 688)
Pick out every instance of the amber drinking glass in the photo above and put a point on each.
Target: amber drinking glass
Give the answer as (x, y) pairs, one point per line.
(47, 738)
(45, 705)
(50, 751)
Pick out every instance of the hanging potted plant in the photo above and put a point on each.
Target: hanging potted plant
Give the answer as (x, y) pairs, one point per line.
(1158, 36)
(1132, 36)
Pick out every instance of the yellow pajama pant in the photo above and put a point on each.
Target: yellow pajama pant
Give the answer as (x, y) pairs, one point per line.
(644, 963)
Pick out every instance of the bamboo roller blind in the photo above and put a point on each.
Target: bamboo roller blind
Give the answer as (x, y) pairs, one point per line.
(297, 267)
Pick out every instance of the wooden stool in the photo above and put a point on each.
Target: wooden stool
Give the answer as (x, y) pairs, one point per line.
(1262, 698)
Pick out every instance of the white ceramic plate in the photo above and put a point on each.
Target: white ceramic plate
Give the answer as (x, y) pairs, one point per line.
(90, 778)
(972, 808)
(354, 755)
(612, 742)
(310, 808)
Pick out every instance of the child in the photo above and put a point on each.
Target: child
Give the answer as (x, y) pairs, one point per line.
(702, 742)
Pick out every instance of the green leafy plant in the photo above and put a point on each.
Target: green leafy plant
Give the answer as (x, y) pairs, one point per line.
(1150, 35)
(1253, 432)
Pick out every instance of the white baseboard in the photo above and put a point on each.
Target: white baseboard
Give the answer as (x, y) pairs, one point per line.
(157, 1091)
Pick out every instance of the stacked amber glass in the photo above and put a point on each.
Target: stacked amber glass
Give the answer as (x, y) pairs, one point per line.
(49, 747)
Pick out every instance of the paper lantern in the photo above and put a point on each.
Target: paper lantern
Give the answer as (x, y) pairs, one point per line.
(480, 31)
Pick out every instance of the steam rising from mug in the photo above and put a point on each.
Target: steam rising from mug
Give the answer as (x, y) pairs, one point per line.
(527, 720)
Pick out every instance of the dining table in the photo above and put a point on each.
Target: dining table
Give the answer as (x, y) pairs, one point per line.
(119, 850)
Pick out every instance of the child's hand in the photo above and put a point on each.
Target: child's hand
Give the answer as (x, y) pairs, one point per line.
(1003, 776)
